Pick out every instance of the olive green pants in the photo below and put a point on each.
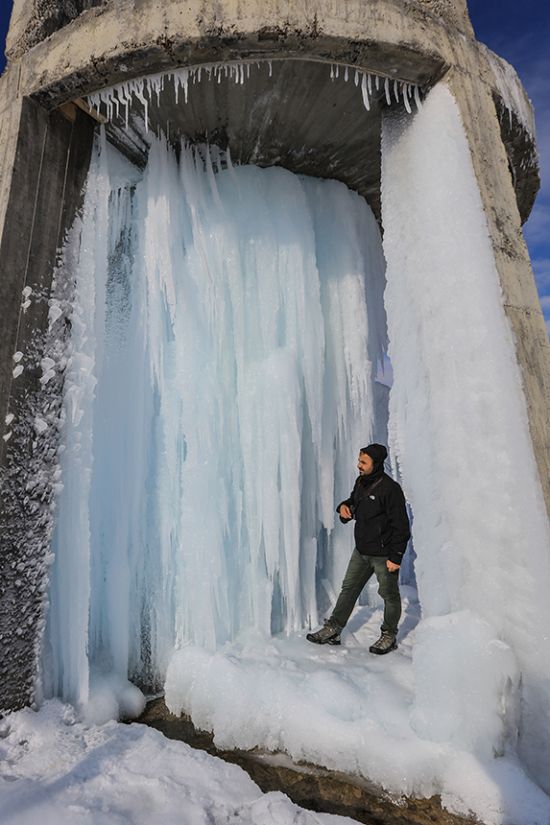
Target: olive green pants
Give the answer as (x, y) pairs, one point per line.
(360, 569)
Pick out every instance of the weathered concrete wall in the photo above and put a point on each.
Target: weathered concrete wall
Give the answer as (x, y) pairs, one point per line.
(34, 20)
(10, 113)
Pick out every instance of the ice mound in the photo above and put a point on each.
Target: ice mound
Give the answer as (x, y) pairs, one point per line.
(350, 711)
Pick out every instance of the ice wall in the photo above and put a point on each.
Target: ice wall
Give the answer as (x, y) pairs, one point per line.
(219, 386)
(458, 426)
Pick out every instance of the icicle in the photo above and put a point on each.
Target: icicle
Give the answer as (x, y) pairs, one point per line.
(346, 74)
(387, 90)
(369, 83)
(332, 71)
(396, 91)
(365, 93)
(356, 78)
(406, 99)
(185, 80)
(377, 81)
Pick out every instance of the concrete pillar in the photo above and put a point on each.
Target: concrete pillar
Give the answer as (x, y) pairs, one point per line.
(44, 163)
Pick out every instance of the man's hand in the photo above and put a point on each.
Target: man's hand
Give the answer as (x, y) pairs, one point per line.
(391, 566)
(345, 512)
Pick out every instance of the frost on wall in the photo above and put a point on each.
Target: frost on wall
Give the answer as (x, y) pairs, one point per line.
(458, 425)
(30, 481)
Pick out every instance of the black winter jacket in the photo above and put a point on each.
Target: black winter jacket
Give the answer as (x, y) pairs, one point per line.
(381, 521)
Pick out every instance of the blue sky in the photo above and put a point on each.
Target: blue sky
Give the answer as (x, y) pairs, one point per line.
(519, 32)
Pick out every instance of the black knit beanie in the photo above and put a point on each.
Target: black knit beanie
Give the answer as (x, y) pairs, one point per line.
(377, 452)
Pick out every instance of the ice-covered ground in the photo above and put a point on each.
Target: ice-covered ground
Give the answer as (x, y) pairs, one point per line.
(56, 771)
(348, 710)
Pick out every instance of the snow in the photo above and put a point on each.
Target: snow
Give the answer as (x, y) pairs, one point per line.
(40, 425)
(58, 771)
(459, 430)
(354, 712)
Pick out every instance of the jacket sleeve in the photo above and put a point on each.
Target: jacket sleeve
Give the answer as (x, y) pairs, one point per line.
(350, 503)
(398, 520)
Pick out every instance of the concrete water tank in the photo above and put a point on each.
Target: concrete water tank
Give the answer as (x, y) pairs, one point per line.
(290, 113)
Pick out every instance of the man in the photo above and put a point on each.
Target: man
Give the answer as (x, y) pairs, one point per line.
(382, 531)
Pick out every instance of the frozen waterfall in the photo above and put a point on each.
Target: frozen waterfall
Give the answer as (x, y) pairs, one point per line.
(220, 382)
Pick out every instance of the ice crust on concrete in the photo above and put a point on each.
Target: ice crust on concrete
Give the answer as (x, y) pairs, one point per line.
(511, 91)
(57, 771)
(459, 430)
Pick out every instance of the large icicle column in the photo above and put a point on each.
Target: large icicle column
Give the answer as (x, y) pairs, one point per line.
(459, 429)
(219, 383)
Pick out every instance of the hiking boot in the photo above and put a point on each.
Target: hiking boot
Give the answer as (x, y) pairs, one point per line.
(384, 644)
(327, 635)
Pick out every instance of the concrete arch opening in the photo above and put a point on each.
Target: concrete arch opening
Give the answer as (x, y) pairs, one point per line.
(240, 109)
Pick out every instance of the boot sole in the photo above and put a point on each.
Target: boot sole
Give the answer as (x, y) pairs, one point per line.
(383, 652)
(321, 641)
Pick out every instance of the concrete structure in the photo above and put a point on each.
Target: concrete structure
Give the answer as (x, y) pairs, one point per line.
(61, 50)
